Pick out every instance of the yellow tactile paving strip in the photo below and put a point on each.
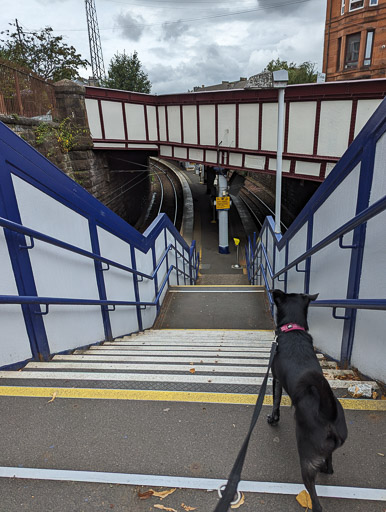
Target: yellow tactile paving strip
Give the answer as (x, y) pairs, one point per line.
(169, 396)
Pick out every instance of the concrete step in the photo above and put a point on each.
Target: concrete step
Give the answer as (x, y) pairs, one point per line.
(189, 360)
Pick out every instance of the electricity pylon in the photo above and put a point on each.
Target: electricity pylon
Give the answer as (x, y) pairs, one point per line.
(98, 68)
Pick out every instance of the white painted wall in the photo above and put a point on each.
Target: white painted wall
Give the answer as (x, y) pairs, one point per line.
(113, 120)
(174, 123)
(301, 128)
(118, 283)
(146, 287)
(60, 273)
(207, 125)
(227, 125)
(93, 118)
(249, 125)
(14, 342)
(162, 123)
(135, 121)
(152, 122)
(335, 117)
(189, 113)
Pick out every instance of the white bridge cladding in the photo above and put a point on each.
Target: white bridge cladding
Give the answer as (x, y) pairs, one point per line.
(237, 129)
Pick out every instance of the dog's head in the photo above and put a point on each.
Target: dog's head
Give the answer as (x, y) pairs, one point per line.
(292, 307)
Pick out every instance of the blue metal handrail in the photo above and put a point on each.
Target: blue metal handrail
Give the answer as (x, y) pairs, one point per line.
(367, 214)
(33, 234)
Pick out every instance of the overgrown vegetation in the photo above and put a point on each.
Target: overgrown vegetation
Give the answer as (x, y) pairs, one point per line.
(125, 73)
(66, 133)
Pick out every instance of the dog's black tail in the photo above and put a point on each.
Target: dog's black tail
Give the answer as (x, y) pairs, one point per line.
(314, 392)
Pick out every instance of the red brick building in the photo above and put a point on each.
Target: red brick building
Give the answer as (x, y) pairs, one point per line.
(355, 40)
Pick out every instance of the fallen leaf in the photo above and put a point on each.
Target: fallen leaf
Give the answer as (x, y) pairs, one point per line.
(381, 454)
(383, 397)
(375, 395)
(165, 508)
(145, 495)
(239, 503)
(304, 499)
(192, 370)
(162, 494)
(53, 397)
(188, 509)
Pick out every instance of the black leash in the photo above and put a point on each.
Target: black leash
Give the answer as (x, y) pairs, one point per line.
(234, 478)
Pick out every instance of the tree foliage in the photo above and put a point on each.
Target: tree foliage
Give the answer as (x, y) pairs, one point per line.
(125, 72)
(41, 52)
(297, 74)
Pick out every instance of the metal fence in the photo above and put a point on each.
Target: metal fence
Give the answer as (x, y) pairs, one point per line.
(23, 93)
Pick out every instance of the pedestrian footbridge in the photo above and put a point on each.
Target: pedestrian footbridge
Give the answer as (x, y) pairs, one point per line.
(121, 365)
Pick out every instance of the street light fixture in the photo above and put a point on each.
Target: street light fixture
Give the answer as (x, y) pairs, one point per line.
(280, 80)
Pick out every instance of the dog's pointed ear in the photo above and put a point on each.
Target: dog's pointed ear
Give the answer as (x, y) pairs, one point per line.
(313, 297)
(278, 296)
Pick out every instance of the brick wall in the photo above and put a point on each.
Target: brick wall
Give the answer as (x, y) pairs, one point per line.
(339, 27)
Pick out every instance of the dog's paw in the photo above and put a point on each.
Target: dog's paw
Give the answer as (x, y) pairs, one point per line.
(272, 420)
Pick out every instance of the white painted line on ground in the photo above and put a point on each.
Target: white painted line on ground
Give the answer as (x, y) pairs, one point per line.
(205, 344)
(326, 491)
(149, 359)
(160, 348)
(216, 291)
(134, 377)
(148, 377)
(176, 353)
(149, 367)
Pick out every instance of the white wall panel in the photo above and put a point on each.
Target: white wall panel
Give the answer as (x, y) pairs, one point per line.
(335, 117)
(60, 273)
(174, 123)
(207, 125)
(162, 123)
(135, 121)
(159, 251)
(146, 287)
(118, 283)
(227, 125)
(181, 153)
(297, 246)
(286, 164)
(236, 159)
(369, 350)
(337, 209)
(307, 168)
(269, 127)
(301, 128)
(190, 124)
(365, 109)
(165, 150)
(249, 126)
(93, 118)
(326, 331)
(254, 162)
(172, 258)
(152, 122)
(196, 154)
(113, 120)
(14, 342)
(211, 156)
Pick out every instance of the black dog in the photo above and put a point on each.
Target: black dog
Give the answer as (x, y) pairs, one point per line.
(320, 422)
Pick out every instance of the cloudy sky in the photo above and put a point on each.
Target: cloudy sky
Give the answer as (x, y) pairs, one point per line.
(185, 43)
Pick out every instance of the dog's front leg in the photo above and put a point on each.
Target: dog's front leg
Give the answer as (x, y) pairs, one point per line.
(309, 474)
(327, 466)
(273, 419)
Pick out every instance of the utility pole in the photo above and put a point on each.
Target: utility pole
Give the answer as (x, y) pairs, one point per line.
(97, 65)
(18, 32)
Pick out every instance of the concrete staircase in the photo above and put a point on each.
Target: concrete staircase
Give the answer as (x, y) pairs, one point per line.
(216, 361)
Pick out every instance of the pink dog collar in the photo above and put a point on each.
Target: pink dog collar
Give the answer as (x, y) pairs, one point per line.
(291, 327)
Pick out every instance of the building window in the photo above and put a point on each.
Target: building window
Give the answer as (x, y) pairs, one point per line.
(373, 2)
(352, 50)
(342, 8)
(369, 47)
(356, 4)
(338, 55)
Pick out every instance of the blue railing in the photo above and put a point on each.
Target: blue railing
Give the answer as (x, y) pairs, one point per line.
(347, 273)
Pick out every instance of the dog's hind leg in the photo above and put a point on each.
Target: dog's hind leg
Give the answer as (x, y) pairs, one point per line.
(309, 472)
(273, 419)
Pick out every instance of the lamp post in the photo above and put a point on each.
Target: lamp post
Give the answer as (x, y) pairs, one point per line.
(280, 80)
